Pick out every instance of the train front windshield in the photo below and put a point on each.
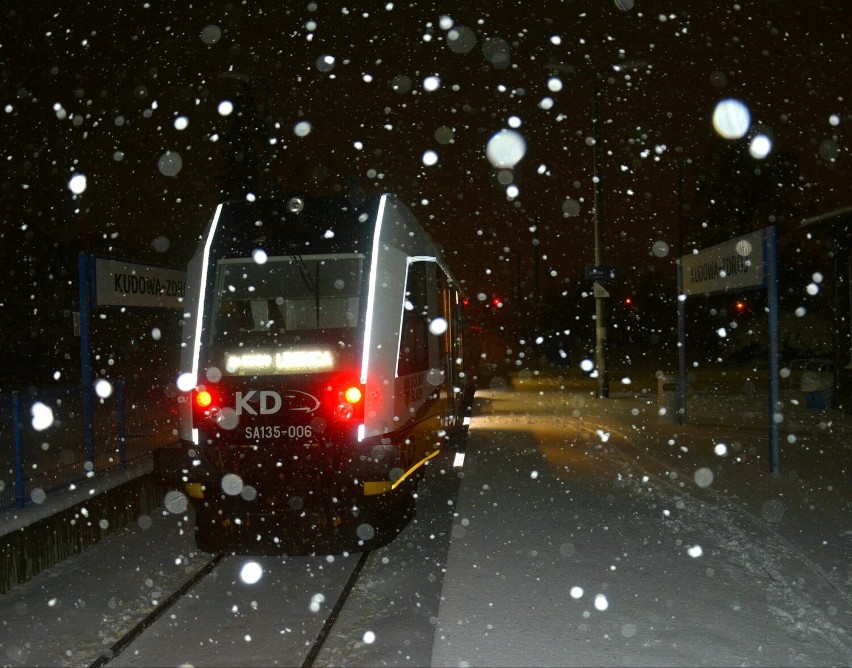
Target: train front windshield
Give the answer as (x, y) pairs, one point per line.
(287, 314)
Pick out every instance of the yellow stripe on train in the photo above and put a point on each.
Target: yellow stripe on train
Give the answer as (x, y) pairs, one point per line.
(372, 488)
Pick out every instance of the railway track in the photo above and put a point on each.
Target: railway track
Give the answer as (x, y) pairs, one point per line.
(115, 651)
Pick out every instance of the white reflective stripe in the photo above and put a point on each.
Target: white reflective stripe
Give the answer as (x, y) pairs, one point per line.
(361, 432)
(459, 460)
(202, 289)
(195, 435)
(371, 293)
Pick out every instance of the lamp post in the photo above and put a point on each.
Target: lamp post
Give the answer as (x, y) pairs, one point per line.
(600, 304)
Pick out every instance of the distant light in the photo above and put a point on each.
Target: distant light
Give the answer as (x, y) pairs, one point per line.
(369, 638)
(760, 146)
(259, 256)
(731, 119)
(587, 365)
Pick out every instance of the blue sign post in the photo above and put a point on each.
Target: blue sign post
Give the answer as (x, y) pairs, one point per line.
(85, 358)
(745, 262)
(107, 281)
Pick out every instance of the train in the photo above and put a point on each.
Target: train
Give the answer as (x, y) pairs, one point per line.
(324, 363)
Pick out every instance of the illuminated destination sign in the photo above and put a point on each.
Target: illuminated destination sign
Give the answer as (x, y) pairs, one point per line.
(733, 264)
(119, 283)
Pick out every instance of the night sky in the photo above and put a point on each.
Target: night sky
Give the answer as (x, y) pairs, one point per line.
(103, 89)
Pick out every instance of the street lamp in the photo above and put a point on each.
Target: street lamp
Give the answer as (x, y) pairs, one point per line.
(600, 295)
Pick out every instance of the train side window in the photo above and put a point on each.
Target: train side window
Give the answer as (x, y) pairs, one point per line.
(414, 339)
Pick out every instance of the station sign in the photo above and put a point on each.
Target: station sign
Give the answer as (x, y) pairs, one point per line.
(601, 273)
(731, 265)
(120, 283)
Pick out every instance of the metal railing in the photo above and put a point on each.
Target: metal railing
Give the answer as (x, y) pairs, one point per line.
(43, 438)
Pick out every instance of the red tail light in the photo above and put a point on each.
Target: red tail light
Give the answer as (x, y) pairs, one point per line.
(353, 394)
(345, 397)
(203, 399)
(204, 402)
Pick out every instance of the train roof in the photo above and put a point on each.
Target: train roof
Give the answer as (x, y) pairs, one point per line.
(303, 223)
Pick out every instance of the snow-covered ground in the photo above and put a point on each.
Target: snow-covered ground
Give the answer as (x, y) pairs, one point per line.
(581, 531)
(595, 532)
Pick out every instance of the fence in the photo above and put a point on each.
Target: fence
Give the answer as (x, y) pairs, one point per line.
(42, 444)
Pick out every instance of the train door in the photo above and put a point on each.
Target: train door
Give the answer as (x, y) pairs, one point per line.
(455, 353)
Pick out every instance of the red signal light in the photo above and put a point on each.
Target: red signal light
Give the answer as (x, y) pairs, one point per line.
(740, 306)
(496, 302)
